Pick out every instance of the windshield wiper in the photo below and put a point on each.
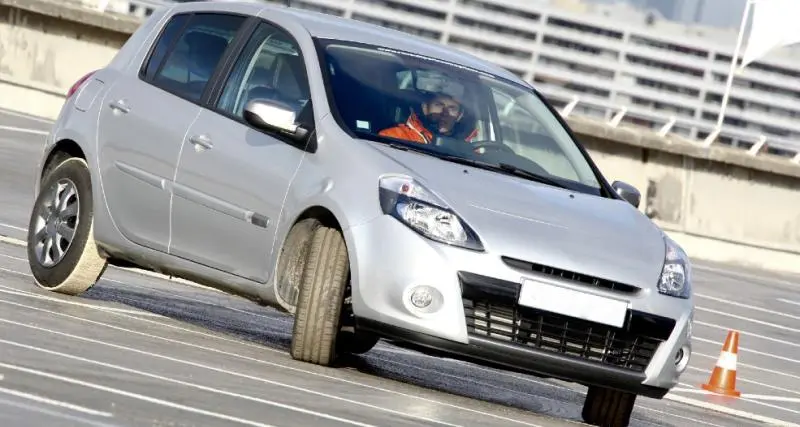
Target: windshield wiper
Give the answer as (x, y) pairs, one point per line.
(506, 168)
(530, 175)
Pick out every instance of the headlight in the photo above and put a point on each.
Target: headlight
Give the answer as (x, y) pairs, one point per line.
(676, 275)
(422, 211)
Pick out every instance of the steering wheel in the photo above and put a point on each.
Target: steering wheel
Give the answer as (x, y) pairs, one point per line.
(482, 147)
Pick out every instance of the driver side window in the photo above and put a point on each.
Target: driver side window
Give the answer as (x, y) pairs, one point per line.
(271, 68)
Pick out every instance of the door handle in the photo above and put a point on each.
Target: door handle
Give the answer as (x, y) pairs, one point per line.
(119, 106)
(201, 142)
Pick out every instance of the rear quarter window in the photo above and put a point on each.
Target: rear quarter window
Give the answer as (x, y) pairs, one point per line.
(165, 40)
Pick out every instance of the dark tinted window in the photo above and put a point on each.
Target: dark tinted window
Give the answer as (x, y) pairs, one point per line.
(165, 40)
(193, 59)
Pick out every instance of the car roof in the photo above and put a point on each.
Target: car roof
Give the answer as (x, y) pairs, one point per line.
(326, 26)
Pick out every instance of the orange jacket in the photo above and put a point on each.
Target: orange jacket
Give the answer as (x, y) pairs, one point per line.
(413, 130)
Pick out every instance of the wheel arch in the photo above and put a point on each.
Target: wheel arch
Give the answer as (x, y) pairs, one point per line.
(321, 214)
(60, 151)
(324, 215)
(295, 234)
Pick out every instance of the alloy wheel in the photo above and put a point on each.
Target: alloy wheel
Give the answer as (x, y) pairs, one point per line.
(56, 222)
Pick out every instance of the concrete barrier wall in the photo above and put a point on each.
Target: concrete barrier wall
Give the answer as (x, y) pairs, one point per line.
(720, 203)
(46, 46)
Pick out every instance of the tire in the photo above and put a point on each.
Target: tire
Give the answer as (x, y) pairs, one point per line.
(290, 265)
(78, 265)
(607, 407)
(319, 306)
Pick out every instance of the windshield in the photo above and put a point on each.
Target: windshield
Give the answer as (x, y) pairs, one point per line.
(451, 111)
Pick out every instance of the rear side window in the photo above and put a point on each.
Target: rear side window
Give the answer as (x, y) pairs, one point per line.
(165, 41)
(192, 54)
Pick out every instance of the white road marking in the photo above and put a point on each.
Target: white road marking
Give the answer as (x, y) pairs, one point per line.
(19, 242)
(13, 257)
(5, 112)
(255, 360)
(188, 384)
(748, 334)
(163, 292)
(23, 130)
(771, 398)
(61, 415)
(745, 365)
(748, 319)
(747, 306)
(53, 402)
(12, 291)
(789, 301)
(131, 395)
(743, 275)
(669, 415)
(749, 350)
(689, 390)
(219, 304)
(749, 381)
(780, 408)
(232, 373)
(219, 391)
(738, 413)
(729, 411)
(695, 403)
(522, 378)
(14, 227)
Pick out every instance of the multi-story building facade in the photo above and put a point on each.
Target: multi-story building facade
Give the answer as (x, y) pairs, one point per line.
(608, 57)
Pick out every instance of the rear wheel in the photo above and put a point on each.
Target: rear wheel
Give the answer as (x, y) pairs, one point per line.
(62, 253)
(607, 407)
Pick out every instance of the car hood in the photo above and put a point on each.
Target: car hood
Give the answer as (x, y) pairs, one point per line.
(537, 223)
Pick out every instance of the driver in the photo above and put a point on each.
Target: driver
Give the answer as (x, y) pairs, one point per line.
(441, 115)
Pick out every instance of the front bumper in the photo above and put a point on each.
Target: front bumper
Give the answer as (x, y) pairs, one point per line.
(489, 352)
(480, 320)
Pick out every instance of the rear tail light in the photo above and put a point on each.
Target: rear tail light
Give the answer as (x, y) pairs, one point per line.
(78, 84)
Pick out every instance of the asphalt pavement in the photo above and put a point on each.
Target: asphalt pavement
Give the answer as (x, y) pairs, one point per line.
(141, 350)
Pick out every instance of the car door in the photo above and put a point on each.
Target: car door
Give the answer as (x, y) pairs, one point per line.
(144, 120)
(232, 178)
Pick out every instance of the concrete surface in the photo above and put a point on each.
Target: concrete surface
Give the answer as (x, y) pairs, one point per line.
(142, 350)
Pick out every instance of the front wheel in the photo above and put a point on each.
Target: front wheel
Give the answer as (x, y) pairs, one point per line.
(607, 407)
(321, 296)
(62, 254)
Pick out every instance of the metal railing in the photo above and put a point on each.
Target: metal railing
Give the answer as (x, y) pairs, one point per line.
(754, 143)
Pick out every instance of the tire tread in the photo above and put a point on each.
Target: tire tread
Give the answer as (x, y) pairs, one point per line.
(319, 305)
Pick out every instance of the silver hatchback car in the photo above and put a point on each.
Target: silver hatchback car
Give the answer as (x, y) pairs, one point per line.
(370, 183)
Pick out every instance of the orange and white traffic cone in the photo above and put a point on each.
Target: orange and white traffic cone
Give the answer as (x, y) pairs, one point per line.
(723, 377)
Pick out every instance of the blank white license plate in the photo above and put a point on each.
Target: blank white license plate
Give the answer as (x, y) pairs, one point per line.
(572, 303)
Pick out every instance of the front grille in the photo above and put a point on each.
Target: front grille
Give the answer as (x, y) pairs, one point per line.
(491, 311)
(570, 276)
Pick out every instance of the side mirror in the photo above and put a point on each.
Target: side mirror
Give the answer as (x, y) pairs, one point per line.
(276, 117)
(628, 192)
